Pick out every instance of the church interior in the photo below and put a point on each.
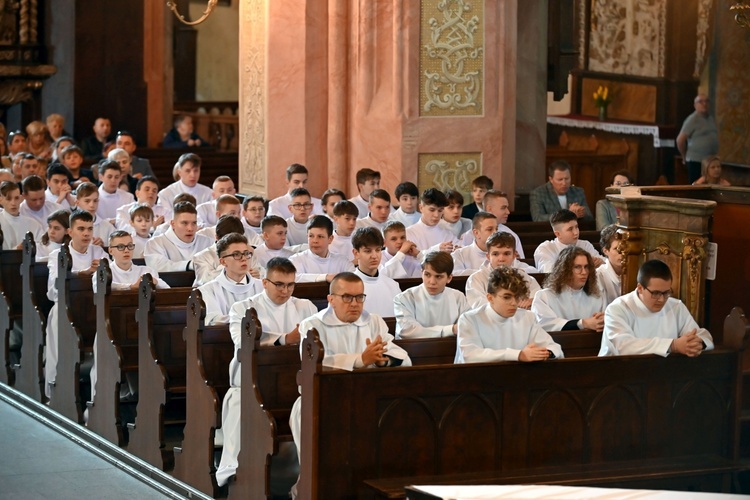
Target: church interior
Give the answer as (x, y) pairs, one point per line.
(437, 93)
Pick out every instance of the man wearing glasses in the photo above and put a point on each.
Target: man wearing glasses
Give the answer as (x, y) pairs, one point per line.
(698, 137)
(280, 315)
(649, 321)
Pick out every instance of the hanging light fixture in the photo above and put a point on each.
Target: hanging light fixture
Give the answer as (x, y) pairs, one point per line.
(742, 16)
(209, 9)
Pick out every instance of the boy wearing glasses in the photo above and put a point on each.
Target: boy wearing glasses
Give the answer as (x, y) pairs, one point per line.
(317, 263)
(649, 320)
(296, 177)
(280, 315)
(234, 283)
(206, 263)
(253, 211)
(301, 208)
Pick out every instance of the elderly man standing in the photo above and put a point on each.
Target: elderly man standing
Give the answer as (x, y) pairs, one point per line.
(698, 138)
(558, 193)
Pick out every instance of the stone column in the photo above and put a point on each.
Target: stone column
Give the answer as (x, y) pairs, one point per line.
(422, 91)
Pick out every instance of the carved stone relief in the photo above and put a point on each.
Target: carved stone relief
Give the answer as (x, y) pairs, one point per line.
(449, 171)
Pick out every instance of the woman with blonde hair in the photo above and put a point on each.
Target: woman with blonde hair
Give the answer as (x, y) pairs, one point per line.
(711, 172)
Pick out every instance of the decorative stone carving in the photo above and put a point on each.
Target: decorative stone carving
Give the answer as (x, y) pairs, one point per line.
(452, 57)
(449, 171)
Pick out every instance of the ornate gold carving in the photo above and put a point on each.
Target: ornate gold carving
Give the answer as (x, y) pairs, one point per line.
(452, 57)
(704, 12)
(693, 255)
(449, 171)
(210, 6)
(253, 98)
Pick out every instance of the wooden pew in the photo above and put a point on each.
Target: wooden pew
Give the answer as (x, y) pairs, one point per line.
(116, 353)
(178, 279)
(209, 351)
(512, 422)
(29, 373)
(161, 372)
(76, 324)
(11, 307)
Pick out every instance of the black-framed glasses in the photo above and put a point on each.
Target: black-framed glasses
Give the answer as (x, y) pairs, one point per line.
(348, 299)
(300, 206)
(281, 285)
(659, 295)
(256, 209)
(239, 255)
(122, 248)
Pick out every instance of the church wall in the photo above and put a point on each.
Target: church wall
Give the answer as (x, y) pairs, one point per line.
(58, 92)
(217, 73)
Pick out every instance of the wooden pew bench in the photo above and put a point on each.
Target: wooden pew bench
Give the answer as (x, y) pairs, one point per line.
(586, 417)
(11, 310)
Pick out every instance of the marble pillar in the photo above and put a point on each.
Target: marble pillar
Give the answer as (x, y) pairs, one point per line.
(422, 91)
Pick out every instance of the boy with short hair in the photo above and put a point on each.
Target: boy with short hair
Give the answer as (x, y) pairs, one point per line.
(317, 263)
(329, 200)
(609, 274)
(206, 263)
(296, 177)
(87, 198)
(58, 186)
(565, 225)
(279, 314)
(141, 224)
(498, 204)
(207, 211)
(301, 208)
(427, 233)
(401, 257)
(174, 250)
(368, 180)
(14, 225)
(500, 252)
(188, 172)
(72, 158)
(431, 309)
(407, 195)
(452, 215)
(471, 258)
(500, 330)
(111, 197)
(146, 193)
(85, 258)
(253, 211)
(479, 188)
(368, 247)
(35, 203)
(379, 209)
(228, 204)
(274, 230)
(345, 219)
(234, 283)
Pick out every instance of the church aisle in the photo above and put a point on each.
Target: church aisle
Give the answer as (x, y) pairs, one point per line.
(37, 462)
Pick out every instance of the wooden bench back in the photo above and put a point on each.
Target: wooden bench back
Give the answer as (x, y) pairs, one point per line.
(11, 306)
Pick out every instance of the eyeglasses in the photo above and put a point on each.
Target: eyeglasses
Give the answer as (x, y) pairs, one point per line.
(258, 209)
(300, 206)
(580, 269)
(281, 285)
(122, 248)
(238, 255)
(702, 101)
(659, 295)
(349, 298)
(623, 184)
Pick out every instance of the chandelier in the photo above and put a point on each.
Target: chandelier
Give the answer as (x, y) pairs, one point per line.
(209, 9)
(742, 16)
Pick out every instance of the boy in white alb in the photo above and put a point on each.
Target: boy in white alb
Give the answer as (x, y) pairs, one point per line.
(296, 177)
(500, 253)
(407, 195)
(207, 210)
(317, 263)
(58, 186)
(428, 234)
(111, 197)
(14, 225)
(301, 207)
(146, 193)
(368, 249)
(401, 257)
(141, 217)
(228, 204)
(500, 330)
(649, 321)
(571, 299)
(469, 259)
(174, 250)
(379, 208)
(57, 234)
(345, 221)
(234, 283)
(274, 242)
(565, 225)
(87, 198)
(368, 180)
(253, 211)
(452, 219)
(187, 172)
(280, 315)
(430, 309)
(206, 263)
(496, 202)
(35, 204)
(85, 258)
(329, 200)
(608, 275)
